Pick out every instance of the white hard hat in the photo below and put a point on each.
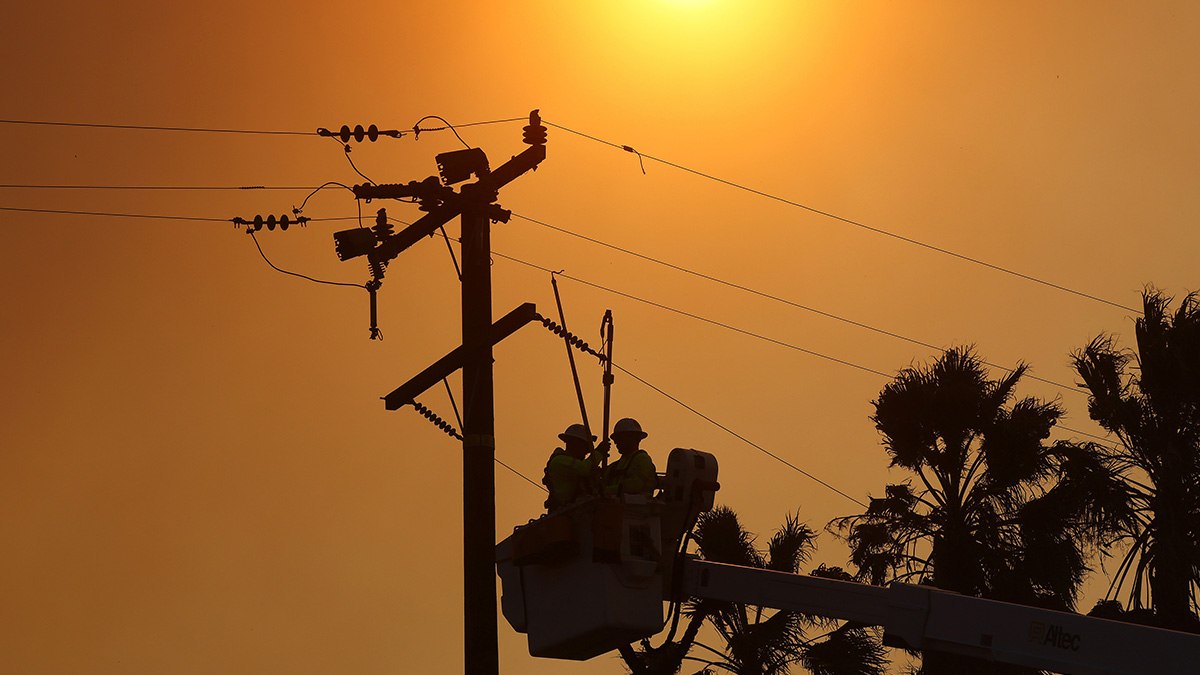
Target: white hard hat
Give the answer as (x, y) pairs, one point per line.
(578, 432)
(628, 426)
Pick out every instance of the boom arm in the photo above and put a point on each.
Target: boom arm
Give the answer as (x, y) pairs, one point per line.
(922, 617)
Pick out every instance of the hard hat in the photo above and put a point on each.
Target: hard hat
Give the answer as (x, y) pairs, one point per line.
(628, 426)
(578, 432)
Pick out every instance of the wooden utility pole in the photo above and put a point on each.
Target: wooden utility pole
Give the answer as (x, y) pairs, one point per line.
(479, 445)
(476, 204)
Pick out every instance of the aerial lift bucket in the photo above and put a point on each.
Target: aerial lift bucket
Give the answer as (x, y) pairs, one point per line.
(591, 578)
(575, 596)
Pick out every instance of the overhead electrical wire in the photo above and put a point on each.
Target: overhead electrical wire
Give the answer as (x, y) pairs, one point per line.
(739, 330)
(527, 478)
(420, 130)
(417, 127)
(512, 259)
(347, 149)
(296, 188)
(764, 294)
(724, 325)
(329, 183)
(416, 131)
(148, 127)
(738, 436)
(260, 252)
(626, 148)
(843, 219)
(685, 405)
(147, 215)
(566, 276)
(111, 214)
(593, 240)
(297, 274)
(690, 315)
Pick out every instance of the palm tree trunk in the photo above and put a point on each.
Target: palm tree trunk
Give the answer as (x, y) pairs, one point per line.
(1170, 578)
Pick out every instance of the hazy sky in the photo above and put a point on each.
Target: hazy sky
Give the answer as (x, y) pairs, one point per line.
(197, 473)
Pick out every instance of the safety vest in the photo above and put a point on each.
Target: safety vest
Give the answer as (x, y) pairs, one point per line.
(566, 478)
(631, 474)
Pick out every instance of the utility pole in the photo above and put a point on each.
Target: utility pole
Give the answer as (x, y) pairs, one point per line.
(476, 204)
(479, 446)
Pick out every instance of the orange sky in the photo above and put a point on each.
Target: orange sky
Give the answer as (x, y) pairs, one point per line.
(198, 475)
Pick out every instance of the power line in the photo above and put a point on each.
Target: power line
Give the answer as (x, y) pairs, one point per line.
(297, 274)
(260, 252)
(768, 296)
(527, 478)
(464, 125)
(155, 216)
(599, 242)
(147, 127)
(13, 186)
(1083, 433)
(567, 276)
(697, 317)
(730, 327)
(449, 126)
(499, 255)
(848, 221)
(579, 280)
(739, 436)
(416, 131)
(111, 214)
(688, 407)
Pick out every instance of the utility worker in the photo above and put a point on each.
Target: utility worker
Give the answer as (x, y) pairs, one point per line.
(634, 472)
(571, 473)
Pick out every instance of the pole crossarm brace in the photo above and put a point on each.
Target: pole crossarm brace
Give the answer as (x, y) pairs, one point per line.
(406, 393)
(484, 190)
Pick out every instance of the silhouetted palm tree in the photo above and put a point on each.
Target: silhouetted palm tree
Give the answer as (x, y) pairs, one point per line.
(758, 640)
(996, 512)
(1150, 399)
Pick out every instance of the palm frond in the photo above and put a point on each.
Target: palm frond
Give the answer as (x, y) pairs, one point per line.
(846, 651)
(791, 545)
(721, 538)
(1013, 443)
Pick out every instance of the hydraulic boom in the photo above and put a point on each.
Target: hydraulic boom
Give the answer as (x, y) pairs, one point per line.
(926, 618)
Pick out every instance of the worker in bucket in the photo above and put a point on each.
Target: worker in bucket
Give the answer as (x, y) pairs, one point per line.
(571, 473)
(634, 472)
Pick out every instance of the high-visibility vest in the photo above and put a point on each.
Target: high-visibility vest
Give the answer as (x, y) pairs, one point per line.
(566, 477)
(631, 474)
